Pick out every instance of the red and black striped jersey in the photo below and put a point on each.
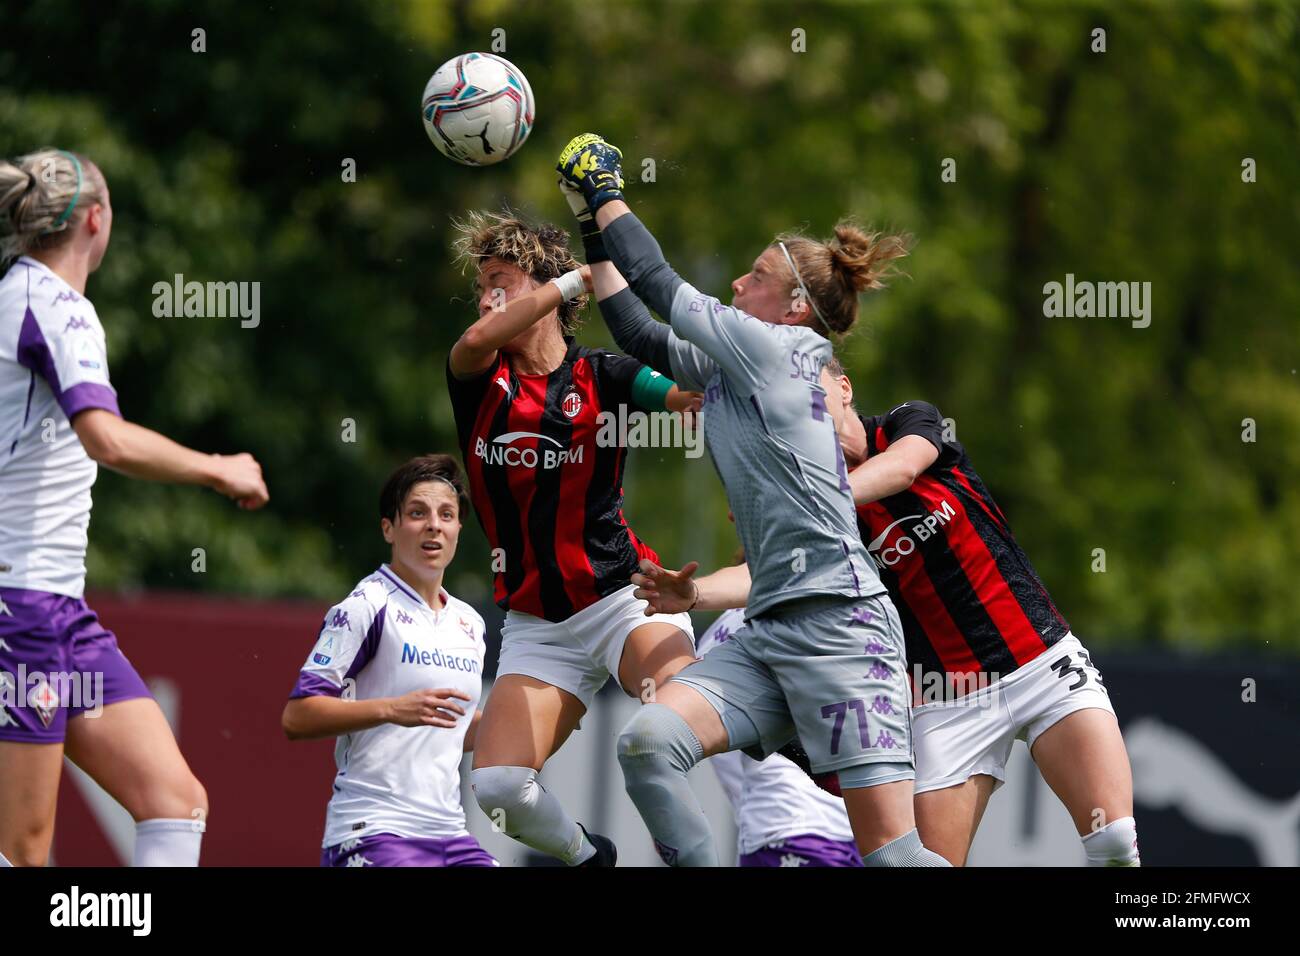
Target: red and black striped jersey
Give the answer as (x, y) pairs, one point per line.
(970, 601)
(548, 494)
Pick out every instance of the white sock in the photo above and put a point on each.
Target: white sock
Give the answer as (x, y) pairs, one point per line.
(165, 842)
(1115, 844)
(517, 803)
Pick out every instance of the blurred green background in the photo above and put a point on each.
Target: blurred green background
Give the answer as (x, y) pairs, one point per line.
(1117, 166)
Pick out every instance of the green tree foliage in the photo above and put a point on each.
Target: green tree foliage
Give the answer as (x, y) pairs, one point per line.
(1123, 165)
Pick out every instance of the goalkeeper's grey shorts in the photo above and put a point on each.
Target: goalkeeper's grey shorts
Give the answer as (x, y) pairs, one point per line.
(831, 670)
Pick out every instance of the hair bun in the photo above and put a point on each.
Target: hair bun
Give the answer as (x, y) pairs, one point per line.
(864, 260)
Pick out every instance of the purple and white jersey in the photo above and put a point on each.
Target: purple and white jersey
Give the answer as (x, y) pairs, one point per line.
(773, 799)
(385, 641)
(53, 364)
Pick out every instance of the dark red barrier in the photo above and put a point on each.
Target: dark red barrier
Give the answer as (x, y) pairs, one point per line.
(232, 664)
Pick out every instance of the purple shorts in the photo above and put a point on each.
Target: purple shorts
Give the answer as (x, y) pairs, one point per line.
(807, 849)
(56, 661)
(386, 849)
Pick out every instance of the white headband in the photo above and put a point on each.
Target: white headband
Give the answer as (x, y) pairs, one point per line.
(803, 288)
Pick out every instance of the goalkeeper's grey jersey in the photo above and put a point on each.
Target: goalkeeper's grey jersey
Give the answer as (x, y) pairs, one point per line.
(774, 444)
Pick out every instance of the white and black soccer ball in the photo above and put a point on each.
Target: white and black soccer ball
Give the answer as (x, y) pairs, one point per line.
(478, 109)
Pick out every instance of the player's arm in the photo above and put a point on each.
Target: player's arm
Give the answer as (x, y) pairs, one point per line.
(138, 452)
(915, 433)
(893, 470)
(477, 347)
(670, 592)
(738, 343)
(635, 330)
(307, 718)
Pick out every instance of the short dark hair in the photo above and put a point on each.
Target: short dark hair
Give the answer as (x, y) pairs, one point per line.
(410, 474)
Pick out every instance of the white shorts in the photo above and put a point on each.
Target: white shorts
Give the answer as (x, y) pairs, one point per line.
(955, 740)
(579, 654)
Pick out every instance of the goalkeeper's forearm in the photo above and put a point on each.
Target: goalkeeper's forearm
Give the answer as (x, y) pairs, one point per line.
(633, 327)
(638, 257)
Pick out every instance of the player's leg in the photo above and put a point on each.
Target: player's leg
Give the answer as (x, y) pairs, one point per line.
(727, 701)
(35, 653)
(947, 819)
(842, 669)
(130, 751)
(1083, 759)
(524, 721)
(29, 791)
(118, 735)
(1074, 738)
(656, 749)
(961, 748)
(652, 654)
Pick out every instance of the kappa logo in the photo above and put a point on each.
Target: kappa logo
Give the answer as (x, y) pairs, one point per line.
(66, 297)
(404, 618)
(340, 619)
(4, 609)
(75, 323)
(356, 859)
(572, 404)
(465, 626)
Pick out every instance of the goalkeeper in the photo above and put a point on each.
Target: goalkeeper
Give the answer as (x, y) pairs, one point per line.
(819, 621)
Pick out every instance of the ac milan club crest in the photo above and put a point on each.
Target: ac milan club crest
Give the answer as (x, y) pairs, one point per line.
(572, 404)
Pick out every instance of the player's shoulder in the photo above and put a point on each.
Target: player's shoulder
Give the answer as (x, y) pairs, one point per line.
(363, 603)
(598, 357)
(55, 305)
(916, 407)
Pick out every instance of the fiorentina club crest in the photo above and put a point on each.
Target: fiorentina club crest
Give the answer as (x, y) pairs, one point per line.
(572, 404)
(44, 701)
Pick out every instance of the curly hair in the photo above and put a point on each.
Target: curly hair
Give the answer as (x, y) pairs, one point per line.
(541, 252)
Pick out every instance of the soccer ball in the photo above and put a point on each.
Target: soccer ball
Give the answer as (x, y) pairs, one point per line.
(478, 109)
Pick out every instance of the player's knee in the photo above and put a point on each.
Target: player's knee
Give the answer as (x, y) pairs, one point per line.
(196, 798)
(182, 797)
(502, 788)
(30, 846)
(657, 734)
(1115, 844)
